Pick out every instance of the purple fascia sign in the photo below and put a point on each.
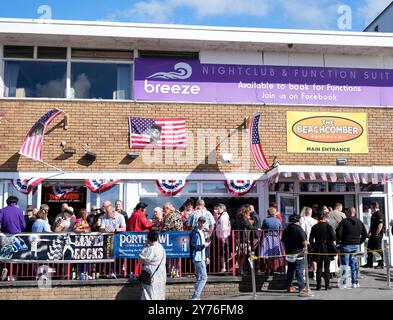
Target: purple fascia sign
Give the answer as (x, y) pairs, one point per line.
(191, 81)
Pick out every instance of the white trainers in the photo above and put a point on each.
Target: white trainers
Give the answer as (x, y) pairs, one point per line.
(355, 285)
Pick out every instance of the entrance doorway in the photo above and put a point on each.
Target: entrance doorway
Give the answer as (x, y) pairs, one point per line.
(74, 196)
(328, 200)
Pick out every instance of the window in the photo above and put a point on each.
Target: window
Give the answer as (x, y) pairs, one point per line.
(215, 187)
(313, 187)
(112, 195)
(100, 81)
(22, 203)
(168, 54)
(35, 79)
(282, 187)
(371, 187)
(51, 53)
(153, 202)
(341, 187)
(19, 52)
(101, 54)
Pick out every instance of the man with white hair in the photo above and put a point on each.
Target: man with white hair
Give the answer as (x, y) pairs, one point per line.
(201, 211)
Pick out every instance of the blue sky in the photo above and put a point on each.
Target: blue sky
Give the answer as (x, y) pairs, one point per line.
(287, 14)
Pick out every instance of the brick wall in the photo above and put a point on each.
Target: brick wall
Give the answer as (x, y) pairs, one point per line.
(176, 289)
(104, 127)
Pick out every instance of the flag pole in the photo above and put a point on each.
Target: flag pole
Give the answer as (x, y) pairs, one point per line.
(52, 166)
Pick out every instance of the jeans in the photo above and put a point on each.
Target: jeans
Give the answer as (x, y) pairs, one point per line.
(351, 260)
(297, 266)
(201, 278)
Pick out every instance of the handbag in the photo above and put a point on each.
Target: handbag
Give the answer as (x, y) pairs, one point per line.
(145, 276)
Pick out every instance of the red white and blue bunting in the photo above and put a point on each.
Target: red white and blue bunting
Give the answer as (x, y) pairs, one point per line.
(60, 191)
(26, 185)
(100, 185)
(170, 187)
(239, 187)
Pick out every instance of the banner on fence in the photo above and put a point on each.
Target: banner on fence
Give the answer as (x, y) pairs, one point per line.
(128, 245)
(56, 248)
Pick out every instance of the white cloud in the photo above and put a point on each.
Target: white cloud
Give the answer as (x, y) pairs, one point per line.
(165, 11)
(371, 9)
(312, 14)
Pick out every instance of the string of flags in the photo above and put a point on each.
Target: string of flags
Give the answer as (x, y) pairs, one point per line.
(347, 177)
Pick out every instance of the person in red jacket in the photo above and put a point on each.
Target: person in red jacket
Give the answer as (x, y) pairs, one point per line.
(138, 221)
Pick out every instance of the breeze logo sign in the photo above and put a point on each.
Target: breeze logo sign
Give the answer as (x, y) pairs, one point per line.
(179, 81)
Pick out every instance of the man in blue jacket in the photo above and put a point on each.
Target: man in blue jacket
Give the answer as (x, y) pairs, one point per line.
(198, 253)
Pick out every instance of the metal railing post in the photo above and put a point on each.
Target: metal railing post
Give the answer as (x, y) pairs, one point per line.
(387, 261)
(308, 293)
(254, 286)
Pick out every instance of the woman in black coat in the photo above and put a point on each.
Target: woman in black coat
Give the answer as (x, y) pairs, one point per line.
(322, 240)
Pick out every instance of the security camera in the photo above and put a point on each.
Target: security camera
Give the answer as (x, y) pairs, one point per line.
(226, 157)
(290, 45)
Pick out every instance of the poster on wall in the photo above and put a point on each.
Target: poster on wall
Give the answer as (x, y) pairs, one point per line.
(326, 132)
(128, 245)
(56, 248)
(68, 194)
(190, 80)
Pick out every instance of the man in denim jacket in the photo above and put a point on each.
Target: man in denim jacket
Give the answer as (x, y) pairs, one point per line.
(198, 244)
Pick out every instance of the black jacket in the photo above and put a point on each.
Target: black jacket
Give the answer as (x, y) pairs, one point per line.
(351, 231)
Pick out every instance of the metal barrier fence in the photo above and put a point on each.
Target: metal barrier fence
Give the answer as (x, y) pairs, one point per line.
(229, 257)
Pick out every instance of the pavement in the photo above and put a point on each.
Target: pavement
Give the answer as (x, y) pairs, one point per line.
(373, 284)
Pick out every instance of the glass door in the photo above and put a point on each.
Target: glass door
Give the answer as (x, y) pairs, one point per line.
(364, 212)
(287, 205)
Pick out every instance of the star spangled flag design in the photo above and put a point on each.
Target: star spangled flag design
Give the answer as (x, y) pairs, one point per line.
(355, 177)
(374, 178)
(364, 178)
(333, 176)
(312, 175)
(255, 143)
(385, 178)
(323, 176)
(32, 146)
(287, 174)
(301, 176)
(157, 133)
(347, 177)
(27, 185)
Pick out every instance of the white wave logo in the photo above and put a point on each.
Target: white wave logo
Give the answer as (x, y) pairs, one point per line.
(182, 71)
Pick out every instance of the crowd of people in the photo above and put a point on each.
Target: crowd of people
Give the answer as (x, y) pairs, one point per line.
(321, 232)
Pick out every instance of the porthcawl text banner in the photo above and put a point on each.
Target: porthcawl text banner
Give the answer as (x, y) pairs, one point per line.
(326, 132)
(128, 245)
(189, 80)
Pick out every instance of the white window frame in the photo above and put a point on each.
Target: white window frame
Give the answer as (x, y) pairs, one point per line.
(68, 60)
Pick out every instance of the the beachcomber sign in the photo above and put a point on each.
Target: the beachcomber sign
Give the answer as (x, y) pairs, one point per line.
(129, 245)
(326, 132)
(190, 80)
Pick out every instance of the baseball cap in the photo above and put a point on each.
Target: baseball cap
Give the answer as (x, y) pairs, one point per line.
(29, 208)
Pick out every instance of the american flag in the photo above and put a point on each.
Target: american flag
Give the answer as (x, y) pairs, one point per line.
(374, 178)
(323, 176)
(33, 144)
(347, 177)
(255, 143)
(364, 178)
(312, 175)
(157, 132)
(301, 176)
(355, 177)
(333, 176)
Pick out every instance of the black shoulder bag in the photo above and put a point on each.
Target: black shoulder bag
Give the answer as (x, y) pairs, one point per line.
(145, 277)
